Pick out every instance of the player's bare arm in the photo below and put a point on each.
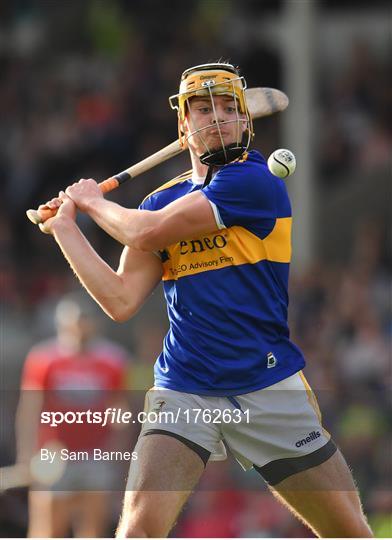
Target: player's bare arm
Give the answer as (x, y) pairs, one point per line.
(120, 294)
(142, 229)
(185, 218)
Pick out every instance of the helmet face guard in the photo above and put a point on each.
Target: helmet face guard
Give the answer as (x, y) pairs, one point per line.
(207, 81)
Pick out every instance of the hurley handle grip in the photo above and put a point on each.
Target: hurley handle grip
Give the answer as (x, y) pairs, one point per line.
(44, 212)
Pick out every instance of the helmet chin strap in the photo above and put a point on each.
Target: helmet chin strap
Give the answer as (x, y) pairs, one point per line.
(218, 158)
(208, 176)
(223, 156)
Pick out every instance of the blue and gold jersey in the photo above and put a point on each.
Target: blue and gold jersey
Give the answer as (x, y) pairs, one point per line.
(226, 291)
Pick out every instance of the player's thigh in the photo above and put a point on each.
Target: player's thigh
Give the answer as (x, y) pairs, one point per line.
(49, 514)
(160, 481)
(93, 514)
(326, 498)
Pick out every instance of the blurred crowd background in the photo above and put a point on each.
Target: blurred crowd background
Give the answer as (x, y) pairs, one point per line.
(83, 93)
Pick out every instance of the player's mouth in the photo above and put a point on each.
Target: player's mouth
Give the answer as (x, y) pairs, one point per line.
(216, 131)
(216, 138)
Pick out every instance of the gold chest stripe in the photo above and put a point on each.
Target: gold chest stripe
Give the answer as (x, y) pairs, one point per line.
(185, 176)
(227, 247)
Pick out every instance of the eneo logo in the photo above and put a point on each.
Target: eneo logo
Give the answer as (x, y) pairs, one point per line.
(311, 437)
(197, 246)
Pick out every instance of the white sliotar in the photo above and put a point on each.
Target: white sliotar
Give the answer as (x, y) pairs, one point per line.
(282, 163)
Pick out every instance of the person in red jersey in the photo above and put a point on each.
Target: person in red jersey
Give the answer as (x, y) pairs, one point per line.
(73, 372)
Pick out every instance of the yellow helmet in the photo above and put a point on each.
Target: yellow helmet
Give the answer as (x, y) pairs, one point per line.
(208, 80)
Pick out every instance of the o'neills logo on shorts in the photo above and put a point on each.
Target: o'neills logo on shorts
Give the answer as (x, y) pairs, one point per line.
(311, 437)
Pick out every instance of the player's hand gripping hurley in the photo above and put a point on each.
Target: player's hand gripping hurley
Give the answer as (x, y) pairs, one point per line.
(261, 102)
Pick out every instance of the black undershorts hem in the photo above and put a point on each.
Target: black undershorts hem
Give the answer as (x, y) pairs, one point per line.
(203, 454)
(280, 469)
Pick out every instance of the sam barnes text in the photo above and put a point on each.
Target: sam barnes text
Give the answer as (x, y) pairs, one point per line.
(96, 455)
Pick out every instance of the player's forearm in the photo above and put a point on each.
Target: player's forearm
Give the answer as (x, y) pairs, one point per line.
(130, 227)
(96, 276)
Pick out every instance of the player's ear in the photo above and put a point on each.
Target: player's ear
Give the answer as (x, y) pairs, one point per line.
(244, 125)
(183, 125)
